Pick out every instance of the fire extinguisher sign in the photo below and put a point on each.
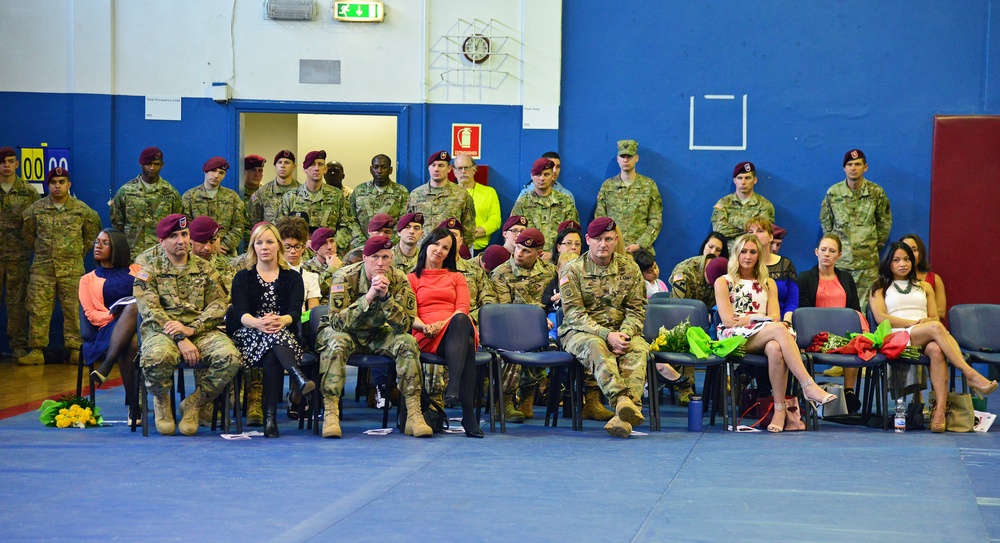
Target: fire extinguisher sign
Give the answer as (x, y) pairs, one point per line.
(466, 139)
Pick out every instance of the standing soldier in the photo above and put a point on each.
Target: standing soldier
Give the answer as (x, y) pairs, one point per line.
(556, 170)
(265, 202)
(141, 202)
(439, 199)
(410, 230)
(857, 210)
(181, 303)
(380, 195)
(632, 201)
(604, 300)
(322, 205)
(731, 213)
(543, 207)
(15, 253)
(62, 230)
(221, 204)
(253, 173)
(372, 308)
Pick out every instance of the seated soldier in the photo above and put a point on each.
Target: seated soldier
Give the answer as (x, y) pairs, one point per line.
(410, 229)
(324, 243)
(381, 225)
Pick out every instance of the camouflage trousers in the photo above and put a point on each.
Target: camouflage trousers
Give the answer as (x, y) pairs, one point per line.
(436, 378)
(616, 375)
(160, 357)
(42, 292)
(864, 279)
(14, 279)
(336, 347)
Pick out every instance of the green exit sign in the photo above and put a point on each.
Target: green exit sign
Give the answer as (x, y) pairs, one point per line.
(359, 12)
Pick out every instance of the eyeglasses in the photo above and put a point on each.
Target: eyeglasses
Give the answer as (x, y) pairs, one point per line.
(102, 243)
(463, 168)
(293, 247)
(571, 244)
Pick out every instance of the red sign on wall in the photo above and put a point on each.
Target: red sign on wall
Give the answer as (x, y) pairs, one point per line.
(466, 139)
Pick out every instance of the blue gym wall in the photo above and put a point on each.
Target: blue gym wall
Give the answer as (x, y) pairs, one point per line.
(820, 79)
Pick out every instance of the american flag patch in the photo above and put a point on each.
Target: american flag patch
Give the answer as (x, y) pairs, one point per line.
(142, 275)
(336, 288)
(563, 280)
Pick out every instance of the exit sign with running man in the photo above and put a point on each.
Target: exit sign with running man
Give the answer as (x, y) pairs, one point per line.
(359, 12)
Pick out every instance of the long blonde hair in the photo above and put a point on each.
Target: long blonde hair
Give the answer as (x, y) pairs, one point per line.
(251, 258)
(760, 269)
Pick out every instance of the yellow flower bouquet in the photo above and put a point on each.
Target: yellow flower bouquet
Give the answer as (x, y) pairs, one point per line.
(70, 412)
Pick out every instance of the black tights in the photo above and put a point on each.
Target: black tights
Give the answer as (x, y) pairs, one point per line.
(122, 349)
(459, 351)
(275, 361)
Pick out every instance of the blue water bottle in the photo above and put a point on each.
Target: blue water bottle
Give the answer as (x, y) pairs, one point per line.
(696, 410)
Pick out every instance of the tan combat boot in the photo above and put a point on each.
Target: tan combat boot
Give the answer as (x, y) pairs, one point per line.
(255, 414)
(618, 428)
(415, 425)
(511, 413)
(593, 409)
(527, 405)
(627, 411)
(163, 416)
(331, 419)
(189, 413)
(35, 357)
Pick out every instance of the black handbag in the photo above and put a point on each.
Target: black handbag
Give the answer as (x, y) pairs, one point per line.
(915, 416)
(434, 414)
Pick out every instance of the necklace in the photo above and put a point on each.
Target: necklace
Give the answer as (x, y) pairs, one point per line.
(909, 287)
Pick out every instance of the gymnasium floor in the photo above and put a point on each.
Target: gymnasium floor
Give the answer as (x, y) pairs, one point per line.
(530, 484)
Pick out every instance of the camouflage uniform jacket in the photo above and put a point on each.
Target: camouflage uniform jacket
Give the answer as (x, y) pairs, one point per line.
(226, 272)
(13, 204)
(688, 281)
(193, 295)
(861, 218)
(368, 200)
(481, 290)
(265, 202)
(135, 210)
(226, 208)
(326, 207)
(438, 204)
(149, 254)
(638, 209)
(351, 313)
(602, 300)
(402, 262)
(61, 237)
(730, 215)
(516, 285)
(325, 275)
(546, 212)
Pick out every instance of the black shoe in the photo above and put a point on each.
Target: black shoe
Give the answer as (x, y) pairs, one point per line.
(381, 395)
(853, 403)
(678, 384)
(271, 421)
(300, 383)
(475, 431)
(294, 408)
(98, 378)
(452, 401)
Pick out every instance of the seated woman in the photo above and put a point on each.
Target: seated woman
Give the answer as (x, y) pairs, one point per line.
(925, 274)
(115, 340)
(908, 303)
(443, 326)
(267, 296)
(744, 296)
(778, 267)
(828, 286)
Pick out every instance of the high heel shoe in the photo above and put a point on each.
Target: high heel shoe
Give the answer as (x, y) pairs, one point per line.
(96, 376)
(817, 401)
(983, 392)
(939, 427)
(773, 427)
(302, 383)
(680, 382)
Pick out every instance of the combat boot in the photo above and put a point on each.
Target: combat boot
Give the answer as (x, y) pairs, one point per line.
(163, 416)
(255, 414)
(331, 420)
(618, 428)
(527, 405)
(415, 424)
(511, 414)
(35, 357)
(593, 409)
(627, 411)
(189, 413)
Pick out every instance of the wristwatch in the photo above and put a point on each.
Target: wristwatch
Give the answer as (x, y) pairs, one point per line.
(178, 337)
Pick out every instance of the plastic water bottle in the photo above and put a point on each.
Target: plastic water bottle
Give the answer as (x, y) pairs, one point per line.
(900, 416)
(696, 410)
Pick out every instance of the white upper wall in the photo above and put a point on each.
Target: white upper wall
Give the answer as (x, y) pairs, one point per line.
(180, 47)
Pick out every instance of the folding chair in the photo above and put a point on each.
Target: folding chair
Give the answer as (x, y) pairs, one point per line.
(976, 328)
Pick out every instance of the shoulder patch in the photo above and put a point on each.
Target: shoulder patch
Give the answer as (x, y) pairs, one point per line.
(142, 275)
(337, 288)
(679, 277)
(563, 280)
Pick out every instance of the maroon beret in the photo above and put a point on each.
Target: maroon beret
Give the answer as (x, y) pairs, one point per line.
(513, 221)
(540, 165)
(405, 220)
(6, 152)
(568, 224)
(599, 226)
(284, 153)
(311, 157)
(380, 221)
(494, 255)
(451, 224)
(438, 155)
(253, 161)
(215, 163)
(204, 228)
(779, 232)
(149, 154)
(376, 244)
(464, 252)
(744, 167)
(57, 172)
(854, 154)
(531, 238)
(170, 224)
(716, 268)
(319, 237)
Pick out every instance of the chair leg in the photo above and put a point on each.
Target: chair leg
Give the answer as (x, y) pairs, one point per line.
(654, 400)
(79, 375)
(578, 409)
(733, 402)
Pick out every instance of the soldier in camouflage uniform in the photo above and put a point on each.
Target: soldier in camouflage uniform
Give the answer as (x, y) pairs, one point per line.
(731, 213)
(410, 229)
(322, 205)
(141, 202)
(15, 253)
(858, 211)
(687, 280)
(253, 173)
(221, 204)
(522, 280)
(440, 199)
(62, 230)
(604, 300)
(372, 308)
(265, 202)
(181, 302)
(632, 201)
(325, 262)
(380, 195)
(543, 207)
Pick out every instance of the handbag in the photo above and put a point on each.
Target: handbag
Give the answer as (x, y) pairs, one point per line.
(959, 414)
(764, 411)
(915, 416)
(434, 414)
